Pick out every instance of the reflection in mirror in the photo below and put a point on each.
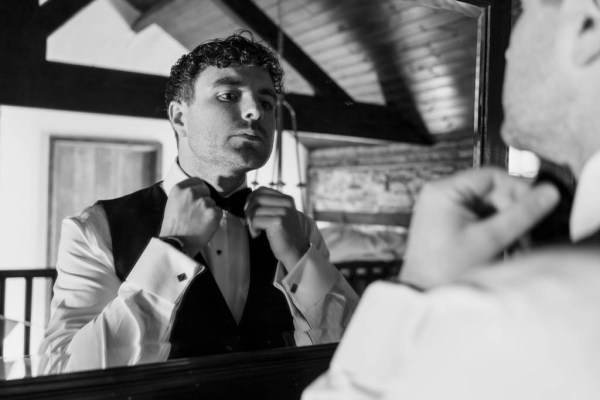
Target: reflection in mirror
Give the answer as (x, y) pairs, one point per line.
(360, 76)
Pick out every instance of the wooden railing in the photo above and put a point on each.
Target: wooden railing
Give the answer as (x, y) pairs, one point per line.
(360, 274)
(29, 275)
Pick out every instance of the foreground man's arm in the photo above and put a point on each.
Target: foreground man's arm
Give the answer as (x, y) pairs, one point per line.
(460, 223)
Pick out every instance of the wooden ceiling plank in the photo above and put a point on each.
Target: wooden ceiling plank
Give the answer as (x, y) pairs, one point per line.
(375, 31)
(459, 78)
(151, 16)
(442, 103)
(343, 57)
(419, 71)
(260, 23)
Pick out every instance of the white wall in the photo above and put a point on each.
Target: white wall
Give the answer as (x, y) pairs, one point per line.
(24, 160)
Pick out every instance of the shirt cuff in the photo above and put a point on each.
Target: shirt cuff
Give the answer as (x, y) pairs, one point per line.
(310, 279)
(164, 271)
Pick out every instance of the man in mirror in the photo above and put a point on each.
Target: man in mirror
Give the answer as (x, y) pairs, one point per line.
(460, 324)
(198, 264)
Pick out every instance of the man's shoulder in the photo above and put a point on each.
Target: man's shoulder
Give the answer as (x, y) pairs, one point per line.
(96, 214)
(143, 194)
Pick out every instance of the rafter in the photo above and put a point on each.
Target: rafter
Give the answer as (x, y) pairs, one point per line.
(150, 16)
(54, 13)
(250, 15)
(79, 88)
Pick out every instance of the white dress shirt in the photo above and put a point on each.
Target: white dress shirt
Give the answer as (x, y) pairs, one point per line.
(585, 216)
(525, 330)
(97, 321)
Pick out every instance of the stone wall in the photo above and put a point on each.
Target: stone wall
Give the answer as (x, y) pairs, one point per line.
(382, 179)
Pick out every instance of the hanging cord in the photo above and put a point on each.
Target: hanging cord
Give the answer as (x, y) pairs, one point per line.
(301, 183)
(276, 178)
(277, 171)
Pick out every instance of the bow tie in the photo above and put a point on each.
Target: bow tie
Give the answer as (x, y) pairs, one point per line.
(234, 203)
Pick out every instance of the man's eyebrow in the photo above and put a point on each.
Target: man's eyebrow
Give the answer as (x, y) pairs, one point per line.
(231, 81)
(227, 81)
(268, 92)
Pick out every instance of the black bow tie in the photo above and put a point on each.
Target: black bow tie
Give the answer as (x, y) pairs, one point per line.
(234, 203)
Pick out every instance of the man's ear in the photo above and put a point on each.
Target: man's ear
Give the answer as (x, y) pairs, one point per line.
(178, 116)
(584, 21)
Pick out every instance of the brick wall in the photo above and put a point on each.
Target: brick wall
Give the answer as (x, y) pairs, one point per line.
(382, 179)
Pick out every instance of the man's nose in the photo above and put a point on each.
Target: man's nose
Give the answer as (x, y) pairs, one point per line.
(251, 109)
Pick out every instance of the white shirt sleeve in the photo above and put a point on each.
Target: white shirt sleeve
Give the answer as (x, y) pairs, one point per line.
(525, 331)
(321, 300)
(96, 320)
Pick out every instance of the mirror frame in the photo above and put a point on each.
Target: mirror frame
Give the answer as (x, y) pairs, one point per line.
(277, 374)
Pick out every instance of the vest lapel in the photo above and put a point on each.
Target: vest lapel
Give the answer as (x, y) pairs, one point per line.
(133, 220)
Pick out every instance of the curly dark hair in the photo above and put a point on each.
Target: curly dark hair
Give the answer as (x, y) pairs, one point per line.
(239, 48)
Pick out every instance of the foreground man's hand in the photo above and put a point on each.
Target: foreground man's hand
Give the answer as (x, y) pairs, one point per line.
(275, 213)
(191, 215)
(466, 220)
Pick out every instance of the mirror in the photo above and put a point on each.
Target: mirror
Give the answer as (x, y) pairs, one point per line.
(98, 102)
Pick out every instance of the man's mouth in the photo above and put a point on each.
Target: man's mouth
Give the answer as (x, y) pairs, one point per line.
(251, 138)
(251, 134)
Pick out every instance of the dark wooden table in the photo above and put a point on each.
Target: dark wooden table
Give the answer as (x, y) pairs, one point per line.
(272, 374)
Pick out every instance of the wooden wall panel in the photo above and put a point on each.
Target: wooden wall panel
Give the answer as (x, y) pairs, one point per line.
(84, 171)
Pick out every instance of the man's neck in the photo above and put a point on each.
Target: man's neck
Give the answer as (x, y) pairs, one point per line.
(223, 182)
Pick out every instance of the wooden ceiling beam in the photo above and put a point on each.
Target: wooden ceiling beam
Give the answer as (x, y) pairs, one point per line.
(87, 89)
(54, 13)
(250, 15)
(150, 16)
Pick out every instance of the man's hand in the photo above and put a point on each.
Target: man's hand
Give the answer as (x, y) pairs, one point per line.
(466, 220)
(191, 215)
(275, 213)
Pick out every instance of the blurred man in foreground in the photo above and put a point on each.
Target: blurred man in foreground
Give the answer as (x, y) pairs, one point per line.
(460, 326)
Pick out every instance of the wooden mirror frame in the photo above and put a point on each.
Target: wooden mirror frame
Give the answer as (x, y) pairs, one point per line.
(28, 80)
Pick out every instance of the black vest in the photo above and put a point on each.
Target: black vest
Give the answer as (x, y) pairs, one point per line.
(203, 323)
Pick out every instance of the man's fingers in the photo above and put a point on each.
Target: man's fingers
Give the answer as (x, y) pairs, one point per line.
(263, 222)
(508, 225)
(265, 197)
(492, 185)
(267, 211)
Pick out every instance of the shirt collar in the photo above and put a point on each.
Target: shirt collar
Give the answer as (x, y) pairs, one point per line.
(176, 175)
(585, 216)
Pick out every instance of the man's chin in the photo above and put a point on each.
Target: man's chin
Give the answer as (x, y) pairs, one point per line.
(509, 134)
(249, 161)
(514, 137)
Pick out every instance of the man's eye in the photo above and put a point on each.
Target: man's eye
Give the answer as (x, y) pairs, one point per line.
(267, 105)
(229, 96)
